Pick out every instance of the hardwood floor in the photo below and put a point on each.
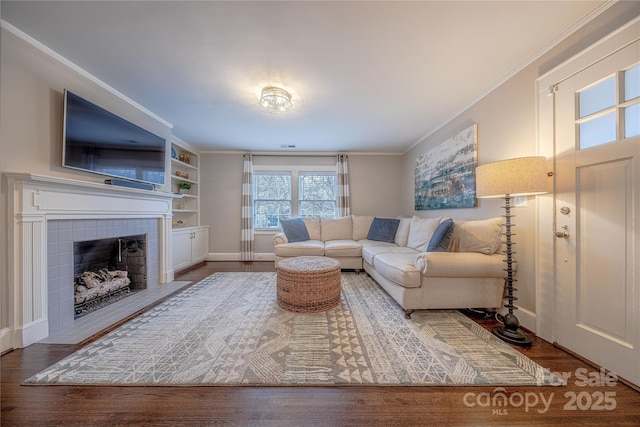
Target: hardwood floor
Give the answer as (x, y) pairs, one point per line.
(594, 403)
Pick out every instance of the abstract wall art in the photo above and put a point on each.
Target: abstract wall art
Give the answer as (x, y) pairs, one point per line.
(445, 175)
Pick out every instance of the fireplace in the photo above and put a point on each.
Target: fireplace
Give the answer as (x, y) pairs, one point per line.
(107, 270)
(46, 215)
(78, 245)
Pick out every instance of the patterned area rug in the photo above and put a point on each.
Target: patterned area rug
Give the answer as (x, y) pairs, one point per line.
(228, 330)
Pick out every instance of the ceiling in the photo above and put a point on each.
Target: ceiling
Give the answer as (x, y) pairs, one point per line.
(366, 76)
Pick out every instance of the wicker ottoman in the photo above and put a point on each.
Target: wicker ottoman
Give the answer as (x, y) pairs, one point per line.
(308, 284)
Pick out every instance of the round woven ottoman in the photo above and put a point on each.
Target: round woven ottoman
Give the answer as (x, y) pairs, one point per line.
(308, 284)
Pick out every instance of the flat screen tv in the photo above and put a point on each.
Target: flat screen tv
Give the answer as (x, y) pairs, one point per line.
(96, 140)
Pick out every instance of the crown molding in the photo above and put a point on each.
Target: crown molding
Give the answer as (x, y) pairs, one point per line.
(81, 71)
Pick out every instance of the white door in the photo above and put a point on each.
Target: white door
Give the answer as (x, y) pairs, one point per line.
(597, 203)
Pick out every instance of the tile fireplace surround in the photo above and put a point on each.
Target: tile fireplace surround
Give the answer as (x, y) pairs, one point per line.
(39, 204)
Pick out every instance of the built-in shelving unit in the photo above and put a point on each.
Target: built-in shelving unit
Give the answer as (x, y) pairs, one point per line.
(185, 172)
(190, 240)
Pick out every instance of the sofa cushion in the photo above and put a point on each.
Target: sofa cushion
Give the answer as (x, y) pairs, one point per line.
(441, 238)
(360, 226)
(335, 229)
(370, 252)
(420, 232)
(295, 229)
(366, 243)
(399, 268)
(342, 248)
(383, 229)
(402, 234)
(313, 227)
(308, 248)
(482, 236)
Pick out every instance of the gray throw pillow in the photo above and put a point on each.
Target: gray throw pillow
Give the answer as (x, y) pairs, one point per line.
(295, 229)
(383, 229)
(441, 237)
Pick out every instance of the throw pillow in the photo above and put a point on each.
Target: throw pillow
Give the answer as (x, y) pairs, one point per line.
(402, 235)
(335, 229)
(441, 237)
(295, 229)
(383, 229)
(482, 236)
(313, 227)
(420, 232)
(361, 225)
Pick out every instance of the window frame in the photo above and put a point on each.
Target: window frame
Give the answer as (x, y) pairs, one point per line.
(295, 171)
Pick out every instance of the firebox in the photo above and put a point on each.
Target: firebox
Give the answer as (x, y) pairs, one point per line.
(108, 270)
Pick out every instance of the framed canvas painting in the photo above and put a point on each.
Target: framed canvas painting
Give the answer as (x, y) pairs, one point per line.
(445, 176)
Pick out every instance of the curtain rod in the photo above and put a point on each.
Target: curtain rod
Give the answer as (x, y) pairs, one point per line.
(295, 155)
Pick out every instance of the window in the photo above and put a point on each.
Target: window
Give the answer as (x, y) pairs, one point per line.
(275, 196)
(610, 109)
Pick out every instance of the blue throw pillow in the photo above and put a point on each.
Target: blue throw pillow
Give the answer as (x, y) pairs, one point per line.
(441, 237)
(295, 229)
(383, 229)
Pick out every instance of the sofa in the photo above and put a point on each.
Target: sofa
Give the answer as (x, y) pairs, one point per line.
(422, 263)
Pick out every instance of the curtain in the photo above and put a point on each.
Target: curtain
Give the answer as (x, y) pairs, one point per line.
(344, 198)
(246, 231)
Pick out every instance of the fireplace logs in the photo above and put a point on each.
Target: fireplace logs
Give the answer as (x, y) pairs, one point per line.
(93, 290)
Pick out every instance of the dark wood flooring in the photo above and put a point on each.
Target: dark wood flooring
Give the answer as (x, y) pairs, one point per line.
(577, 404)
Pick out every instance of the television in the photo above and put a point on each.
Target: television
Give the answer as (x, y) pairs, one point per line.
(96, 140)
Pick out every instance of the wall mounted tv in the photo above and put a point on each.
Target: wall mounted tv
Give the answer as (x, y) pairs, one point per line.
(96, 140)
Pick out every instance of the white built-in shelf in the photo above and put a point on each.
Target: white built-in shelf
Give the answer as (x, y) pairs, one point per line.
(184, 169)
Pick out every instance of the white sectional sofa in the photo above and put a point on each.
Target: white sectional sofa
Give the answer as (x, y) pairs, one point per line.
(422, 264)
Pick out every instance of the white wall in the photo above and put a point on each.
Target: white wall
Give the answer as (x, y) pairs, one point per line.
(374, 184)
(31, 112)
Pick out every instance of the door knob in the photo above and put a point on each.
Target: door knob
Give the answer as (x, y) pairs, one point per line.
(563, 234)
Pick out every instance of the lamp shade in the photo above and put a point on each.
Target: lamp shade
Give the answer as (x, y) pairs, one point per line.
(515, 177)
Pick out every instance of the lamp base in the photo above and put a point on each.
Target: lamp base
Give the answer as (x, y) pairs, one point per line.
(512, 337)
(511, 333)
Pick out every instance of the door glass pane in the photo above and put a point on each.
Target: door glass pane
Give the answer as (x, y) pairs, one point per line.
(632, 83)
(598, 131)
(598, 97)
(632, 121)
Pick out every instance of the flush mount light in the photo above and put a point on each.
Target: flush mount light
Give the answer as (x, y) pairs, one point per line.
(275, 100)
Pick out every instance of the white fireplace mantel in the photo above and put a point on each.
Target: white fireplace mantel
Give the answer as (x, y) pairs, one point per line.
(35, 199)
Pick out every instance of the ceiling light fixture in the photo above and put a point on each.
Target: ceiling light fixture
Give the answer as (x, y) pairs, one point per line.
(275, 100)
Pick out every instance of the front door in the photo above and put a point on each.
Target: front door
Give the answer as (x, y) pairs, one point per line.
(597, 209)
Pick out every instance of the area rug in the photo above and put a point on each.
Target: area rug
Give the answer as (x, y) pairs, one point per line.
(228, 330)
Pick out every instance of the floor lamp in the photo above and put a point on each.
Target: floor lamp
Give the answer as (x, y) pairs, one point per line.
(523, 176)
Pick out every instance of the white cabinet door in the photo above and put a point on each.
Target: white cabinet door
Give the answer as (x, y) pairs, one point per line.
(199, 245)
(181, 249)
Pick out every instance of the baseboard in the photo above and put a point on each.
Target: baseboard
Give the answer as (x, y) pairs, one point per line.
(5, 340)
(527, 319)
(234, 256)
(31, 333)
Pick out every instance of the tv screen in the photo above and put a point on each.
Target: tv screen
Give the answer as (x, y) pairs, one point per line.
(98, 141)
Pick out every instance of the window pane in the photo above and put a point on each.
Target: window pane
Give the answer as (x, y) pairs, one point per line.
(632, 83)
(317, 195)
(598, 131)
(267, 213)
(632, 121)
(324, 209)
(314, 187)
(598, 97)
(271, 199)
(272, 186)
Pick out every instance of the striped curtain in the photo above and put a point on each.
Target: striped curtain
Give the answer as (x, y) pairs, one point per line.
(344, 198)
(246, 232)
